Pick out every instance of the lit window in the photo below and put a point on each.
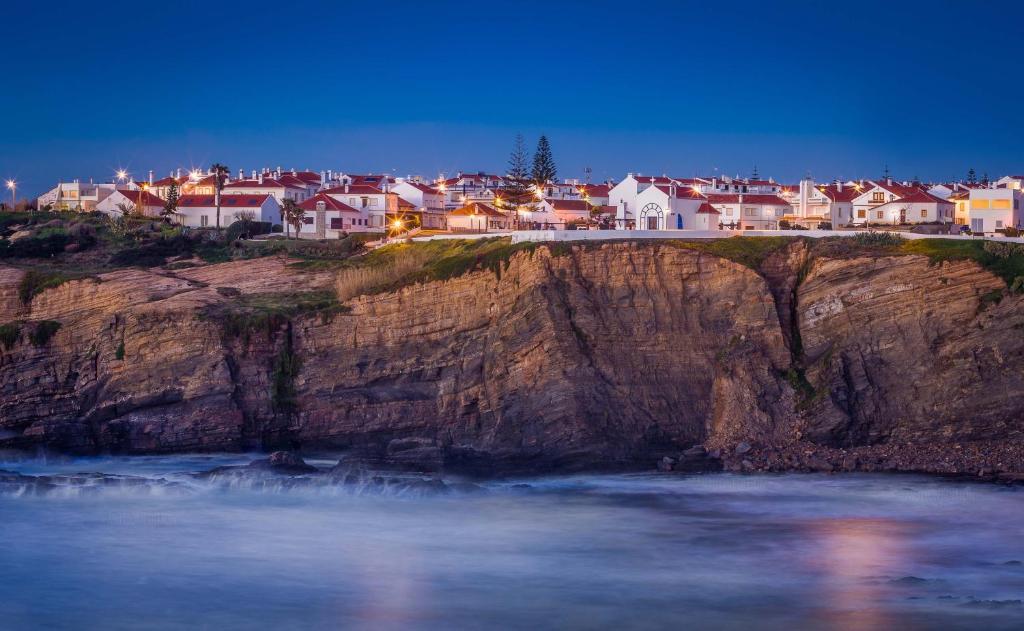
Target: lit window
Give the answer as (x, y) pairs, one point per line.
(861, 214)
(979, 204)
(1001, 204)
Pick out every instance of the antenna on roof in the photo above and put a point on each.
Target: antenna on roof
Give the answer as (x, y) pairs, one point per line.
(586, 174)
(754, 175)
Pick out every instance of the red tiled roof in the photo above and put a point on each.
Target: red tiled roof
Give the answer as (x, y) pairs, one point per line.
(568, 204)
(329, 204)
(477, 208)
(234, 200)
(596, 190)
(167, 181)
(734, 198)
(268, 182)
(424, 188)
(921, 197)
(354, 189)
(832, 192)
(308, 177)
(707, 209)
(404, 203)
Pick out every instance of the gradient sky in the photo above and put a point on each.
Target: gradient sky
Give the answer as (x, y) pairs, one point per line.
(929, 88)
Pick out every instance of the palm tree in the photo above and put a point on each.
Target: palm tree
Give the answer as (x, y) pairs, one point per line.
(220, 174)
(293, 215)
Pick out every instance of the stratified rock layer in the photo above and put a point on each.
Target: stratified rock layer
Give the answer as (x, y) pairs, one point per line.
(614, 355)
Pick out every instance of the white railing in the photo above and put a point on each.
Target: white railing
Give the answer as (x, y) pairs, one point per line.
(522, 236)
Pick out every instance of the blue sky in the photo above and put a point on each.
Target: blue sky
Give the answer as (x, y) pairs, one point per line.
(929, 88)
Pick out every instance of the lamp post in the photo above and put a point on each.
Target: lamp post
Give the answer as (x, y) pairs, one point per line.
(11, 184)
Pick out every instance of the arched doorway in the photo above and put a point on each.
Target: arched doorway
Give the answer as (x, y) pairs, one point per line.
(650, 217)
(679, 222)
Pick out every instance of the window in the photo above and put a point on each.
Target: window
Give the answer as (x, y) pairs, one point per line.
(979, 204)
(999, 224)
(878, 197)
(728, 212)
(204, 220)
(307, 220)
(352, 202)
(862, 214)
(750, 212)
(880, 215)
(924, 213)
(1001, 204)
(336, 223)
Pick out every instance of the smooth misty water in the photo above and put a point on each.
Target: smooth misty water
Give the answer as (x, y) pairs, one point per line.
(629, 551)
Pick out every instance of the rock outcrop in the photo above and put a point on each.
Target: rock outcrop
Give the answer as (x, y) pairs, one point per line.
(616, 355)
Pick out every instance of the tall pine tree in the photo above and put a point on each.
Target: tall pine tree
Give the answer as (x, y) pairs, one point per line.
(972, 177)
(171, 205)
(544, 169)
(518, 195)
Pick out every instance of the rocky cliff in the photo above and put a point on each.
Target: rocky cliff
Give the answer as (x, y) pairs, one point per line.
(614, 355)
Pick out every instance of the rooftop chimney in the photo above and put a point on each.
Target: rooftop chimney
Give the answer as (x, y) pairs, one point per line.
(151, 177)
(346, 187)
(259, 180)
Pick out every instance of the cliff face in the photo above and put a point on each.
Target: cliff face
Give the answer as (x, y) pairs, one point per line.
(612, 355)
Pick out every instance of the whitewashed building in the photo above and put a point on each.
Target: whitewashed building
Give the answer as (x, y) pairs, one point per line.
(76, 195)
(917, 206)
(428, 201)
(139, 202)
(994, 209)
(200, 211)
(327, 218)
(478, 217)
(746, 211)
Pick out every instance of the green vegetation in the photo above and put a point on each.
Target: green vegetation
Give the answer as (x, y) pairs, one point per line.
(749, 251)
(1005, 260)
(35, 282)
(119, 353)
(399, 265)
(268, 312)
(43, 332)
(9, 334)
(285, 368)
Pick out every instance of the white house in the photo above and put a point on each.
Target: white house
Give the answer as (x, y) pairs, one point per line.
(263, 184)
(556, 213)
(470, 187)
(200, 211)
(872, 194)
(750, 211)
(327, 218)
(428, 201)
(668, 207)
(370, 199)
(814, 204)
(917, 206)
(993, 209)
(1015, 182)
(478, 217)
(140, 202)
(76, 195)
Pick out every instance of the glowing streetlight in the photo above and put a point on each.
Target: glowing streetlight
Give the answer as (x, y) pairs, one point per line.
(11, 184)
(122, 175)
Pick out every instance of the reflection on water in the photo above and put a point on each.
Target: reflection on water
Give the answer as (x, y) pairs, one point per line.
(637, 552)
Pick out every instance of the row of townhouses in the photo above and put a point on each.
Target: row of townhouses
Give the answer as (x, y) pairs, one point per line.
(336, 203)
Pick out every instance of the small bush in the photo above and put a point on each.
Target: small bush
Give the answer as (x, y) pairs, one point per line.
(9, 334)
(43, 332)
(877, 239)
(824, 225)
(153, 253)
(1002, 250)
(35, 282)
(784, 224)
(119, 353)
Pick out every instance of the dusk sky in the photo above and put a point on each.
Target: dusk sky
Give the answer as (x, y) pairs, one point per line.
(929, 88)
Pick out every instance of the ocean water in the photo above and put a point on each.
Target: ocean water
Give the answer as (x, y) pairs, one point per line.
(718, 551)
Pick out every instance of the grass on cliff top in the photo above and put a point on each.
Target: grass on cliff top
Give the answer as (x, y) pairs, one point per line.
(749, 251)
(402, 264)
(399, 265)
(1005, 260)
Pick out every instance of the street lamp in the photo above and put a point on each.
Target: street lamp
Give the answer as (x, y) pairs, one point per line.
(11, 184)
